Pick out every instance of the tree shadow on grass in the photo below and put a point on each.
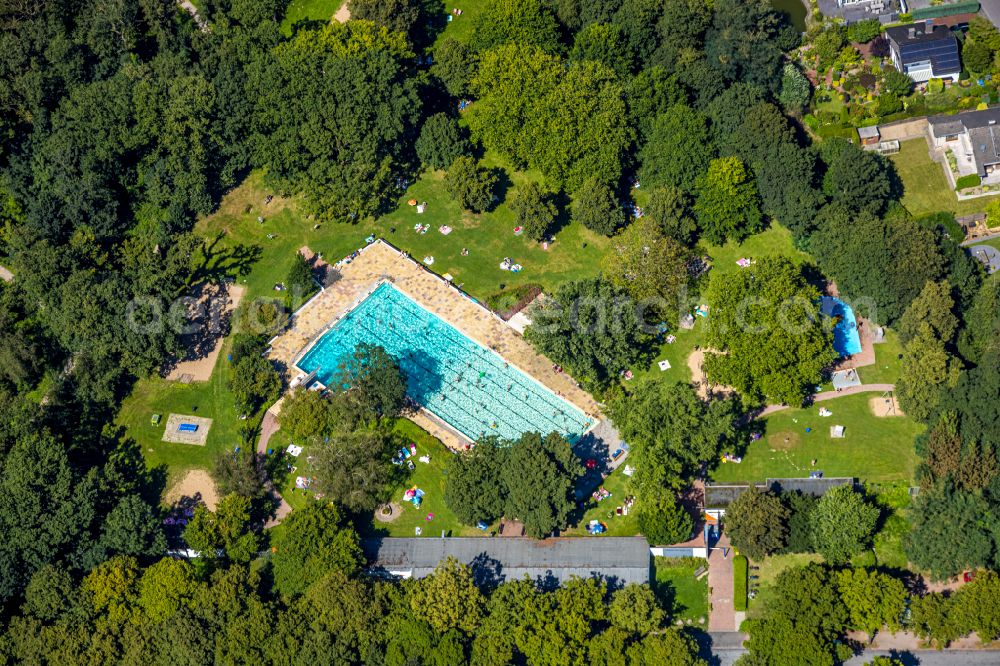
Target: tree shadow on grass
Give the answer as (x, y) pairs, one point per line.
(229, 262)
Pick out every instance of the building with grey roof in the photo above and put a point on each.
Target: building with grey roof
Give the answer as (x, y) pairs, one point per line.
(618, 560)
(718, 497)
(924, 51)
(973, 138)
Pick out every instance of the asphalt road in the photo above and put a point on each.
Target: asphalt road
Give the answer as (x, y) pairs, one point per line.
(728, 656)
(991, 8)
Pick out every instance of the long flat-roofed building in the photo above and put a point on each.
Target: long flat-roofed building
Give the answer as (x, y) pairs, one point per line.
(619, 560)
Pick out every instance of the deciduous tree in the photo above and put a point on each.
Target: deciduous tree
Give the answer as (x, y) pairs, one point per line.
(448, 598)
(441, 142)
(314, 541)
(534, 210)
(843, 524)
(770, 339)
(596, 207)
(677, 150)
(471, 185)
(649, 266)
(756, 522)
(355, 469)
(373, 380)
(873, 599)
(727, 203)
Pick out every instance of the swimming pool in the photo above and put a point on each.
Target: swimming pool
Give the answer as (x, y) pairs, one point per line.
(467, 386)
(846, 340)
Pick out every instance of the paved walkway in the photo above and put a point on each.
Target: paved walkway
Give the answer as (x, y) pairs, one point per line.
(831, 395)
(722, 614)
(268, 427)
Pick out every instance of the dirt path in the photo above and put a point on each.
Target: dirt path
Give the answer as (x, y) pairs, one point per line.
(343, 14)
(831, 395)
(193, 11)
(196, 484)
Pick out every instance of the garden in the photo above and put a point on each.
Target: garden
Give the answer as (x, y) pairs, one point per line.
(681, 583)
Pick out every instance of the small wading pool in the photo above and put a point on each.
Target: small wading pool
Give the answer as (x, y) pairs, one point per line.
(467, 386)
(846, 340)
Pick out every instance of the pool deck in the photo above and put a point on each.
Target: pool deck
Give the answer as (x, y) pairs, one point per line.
(380, 262)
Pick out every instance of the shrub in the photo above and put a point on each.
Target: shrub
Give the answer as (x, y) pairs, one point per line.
(971, 180)
(740, 570)
(864, 31)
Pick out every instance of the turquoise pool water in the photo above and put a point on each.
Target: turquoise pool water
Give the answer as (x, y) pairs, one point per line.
(467, 386)
(846, 340)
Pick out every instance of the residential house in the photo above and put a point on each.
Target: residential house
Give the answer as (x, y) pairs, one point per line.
(973, 138)
(923, 51)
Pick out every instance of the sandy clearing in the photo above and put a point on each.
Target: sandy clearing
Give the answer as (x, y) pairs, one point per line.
(885, 407)
(343, 14)
(214, 312)
(196, 484)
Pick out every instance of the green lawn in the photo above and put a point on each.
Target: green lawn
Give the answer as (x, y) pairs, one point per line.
(604, 511)
(874, 449)
(887, 362)
(489, 238)
(429, 477)
(210, 399)
(313, 10)
(684, 596)
(460, 27)
(767, 571)
(926, 189)
(774, 241)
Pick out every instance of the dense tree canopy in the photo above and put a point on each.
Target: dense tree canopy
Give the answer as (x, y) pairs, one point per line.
(727, 204)
(770, 341)
(531, 479)
(592, 329)
(677, 150)
(843, 523)
(346, 164)
(570, 123)
(672, 431)
(649, 266)
(883, 264)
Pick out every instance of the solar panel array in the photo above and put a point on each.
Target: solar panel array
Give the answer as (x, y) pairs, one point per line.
(942, 53)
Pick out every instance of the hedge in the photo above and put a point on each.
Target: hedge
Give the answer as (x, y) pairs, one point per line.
(740, 568)
(972, 180)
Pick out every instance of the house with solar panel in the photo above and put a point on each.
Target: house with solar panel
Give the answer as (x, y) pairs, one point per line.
(924, 51)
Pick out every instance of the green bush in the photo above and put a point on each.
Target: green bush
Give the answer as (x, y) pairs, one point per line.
(740, 571)
(972, 180)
